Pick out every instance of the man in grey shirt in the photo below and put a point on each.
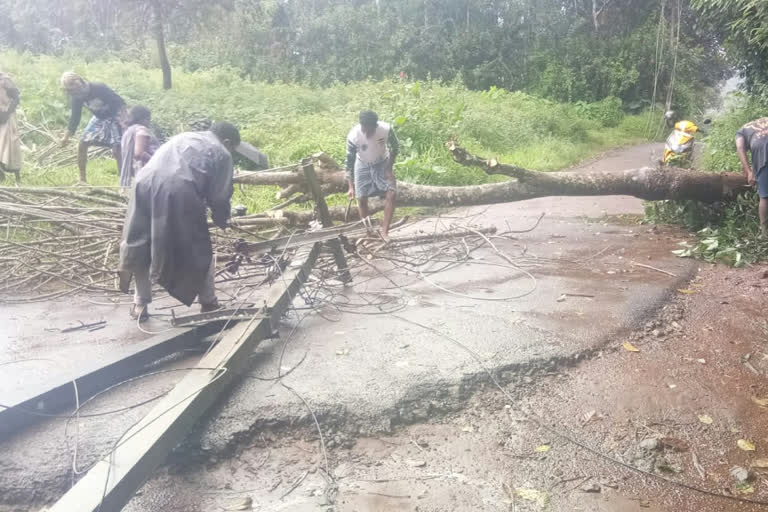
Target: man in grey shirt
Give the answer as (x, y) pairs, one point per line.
(754, 136)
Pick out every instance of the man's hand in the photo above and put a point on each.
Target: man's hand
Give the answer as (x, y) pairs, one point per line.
(64, 139)
(351, 192)
(751, 178)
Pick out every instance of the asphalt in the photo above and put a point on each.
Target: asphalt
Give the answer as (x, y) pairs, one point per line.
(367, 373)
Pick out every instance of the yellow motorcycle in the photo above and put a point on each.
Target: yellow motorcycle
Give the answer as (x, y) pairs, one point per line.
(679, 145)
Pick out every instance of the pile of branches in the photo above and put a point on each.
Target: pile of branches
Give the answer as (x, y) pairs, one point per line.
(418, 259)
(56, 241)
(44, 145)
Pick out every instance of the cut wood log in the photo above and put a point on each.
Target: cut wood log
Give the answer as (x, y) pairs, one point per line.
(645, 183)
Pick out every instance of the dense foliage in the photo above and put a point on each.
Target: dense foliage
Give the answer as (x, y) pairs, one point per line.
(566, 50)
(290, 122)
(742, 25)
(727, 233)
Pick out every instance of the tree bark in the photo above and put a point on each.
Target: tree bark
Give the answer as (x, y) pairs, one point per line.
(597, 12)
(653, 184)
(645, 183)
(157, 28)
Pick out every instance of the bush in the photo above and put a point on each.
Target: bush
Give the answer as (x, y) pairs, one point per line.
(726, 232)
(607, 112)
(289, 121)
(719, 151)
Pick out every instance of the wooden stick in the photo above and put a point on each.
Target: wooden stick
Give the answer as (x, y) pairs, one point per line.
(654, 268)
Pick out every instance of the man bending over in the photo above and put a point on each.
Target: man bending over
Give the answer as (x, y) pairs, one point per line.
(754, 136)
(166, 228)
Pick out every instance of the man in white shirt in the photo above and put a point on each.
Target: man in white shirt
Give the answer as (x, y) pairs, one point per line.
(372, 147)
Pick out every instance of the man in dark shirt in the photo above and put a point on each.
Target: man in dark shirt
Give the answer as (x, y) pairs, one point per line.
(166, 229)
(754, 136)
(104, 128)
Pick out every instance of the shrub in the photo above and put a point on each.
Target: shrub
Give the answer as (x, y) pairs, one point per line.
(726, 232)
(289, 121)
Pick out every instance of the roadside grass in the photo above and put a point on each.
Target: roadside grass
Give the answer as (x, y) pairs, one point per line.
(289, 122)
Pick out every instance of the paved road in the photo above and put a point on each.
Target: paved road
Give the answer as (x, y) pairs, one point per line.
(369, 373)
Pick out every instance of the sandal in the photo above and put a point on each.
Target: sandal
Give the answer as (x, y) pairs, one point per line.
(139, 312)
(213, 306)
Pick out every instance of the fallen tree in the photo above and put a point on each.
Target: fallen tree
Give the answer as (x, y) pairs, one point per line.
(645, 183)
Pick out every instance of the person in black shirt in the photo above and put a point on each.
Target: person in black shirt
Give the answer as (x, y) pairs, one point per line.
(754, 136)
(104, 128)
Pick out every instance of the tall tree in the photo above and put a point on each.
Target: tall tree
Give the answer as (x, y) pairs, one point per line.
(162, 54)
(742, 25)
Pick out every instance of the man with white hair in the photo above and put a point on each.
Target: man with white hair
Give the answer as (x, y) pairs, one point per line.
(104, 128)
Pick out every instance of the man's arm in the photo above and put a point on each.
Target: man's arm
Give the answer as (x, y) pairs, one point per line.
(141, 148)
(74, 119)
(13, 94)
(741, 150)
(220, 191)
(350, 163)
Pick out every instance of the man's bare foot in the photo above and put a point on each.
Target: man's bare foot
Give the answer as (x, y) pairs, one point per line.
(385, 236)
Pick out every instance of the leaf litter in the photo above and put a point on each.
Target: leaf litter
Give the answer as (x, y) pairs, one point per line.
(745, 445)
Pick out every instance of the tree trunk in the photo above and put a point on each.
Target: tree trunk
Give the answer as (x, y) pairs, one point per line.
(595, 16)
(157, 28)
(645, 183)
(597, 12)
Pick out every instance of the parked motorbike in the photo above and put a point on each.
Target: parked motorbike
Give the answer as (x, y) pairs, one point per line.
(679, 145)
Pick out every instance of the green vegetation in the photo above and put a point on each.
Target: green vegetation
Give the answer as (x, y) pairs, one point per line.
(564, 50)
(743, 27)
(729, 232)
(290, 122)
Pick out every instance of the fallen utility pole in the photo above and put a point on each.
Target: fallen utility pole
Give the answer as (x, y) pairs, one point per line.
(297, 240)
(112, 482)
(37, 405)
(229, 315)
(325, 219)
(300, 239)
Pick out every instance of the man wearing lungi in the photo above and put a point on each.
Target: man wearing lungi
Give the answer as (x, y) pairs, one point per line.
(104, 129)
(372, 147)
